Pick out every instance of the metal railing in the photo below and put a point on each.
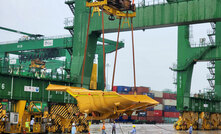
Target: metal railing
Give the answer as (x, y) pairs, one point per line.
(26, 71)
(41, 38)
(8, 42)
(204, 44)
(143, 3)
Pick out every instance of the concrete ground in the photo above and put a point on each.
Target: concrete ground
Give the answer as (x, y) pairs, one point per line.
(145, 129)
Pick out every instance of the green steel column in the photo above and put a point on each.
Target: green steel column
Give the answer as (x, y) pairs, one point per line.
(80, 29)
(218, 63)
(183, 77)
(100, 83)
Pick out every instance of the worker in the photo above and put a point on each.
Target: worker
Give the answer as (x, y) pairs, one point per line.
(133, 131)
(73, 129)
(103, 128)
(190, 129)
(114, 128)
(32, 123)
(27, 125)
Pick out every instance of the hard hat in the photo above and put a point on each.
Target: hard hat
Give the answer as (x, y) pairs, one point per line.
(190, 124)
(134, 126)
(73, 124)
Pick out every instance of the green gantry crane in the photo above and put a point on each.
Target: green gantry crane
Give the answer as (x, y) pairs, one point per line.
(179, 13)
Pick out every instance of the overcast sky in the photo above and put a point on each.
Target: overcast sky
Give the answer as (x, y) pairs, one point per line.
(155, 49)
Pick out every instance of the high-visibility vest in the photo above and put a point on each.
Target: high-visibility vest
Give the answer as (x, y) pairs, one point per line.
(27, 124)
(103, 128)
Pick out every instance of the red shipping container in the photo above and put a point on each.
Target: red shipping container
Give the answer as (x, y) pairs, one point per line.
(125, 117)
(133, 117)
(158, 113)
(142, 118)
(173, 96)
(150, 113)
(169, 96)
(160, 100)
(150, 118)
(166, 95)
(115, 88)
(172, 114)
(141, 90)
(158, 119)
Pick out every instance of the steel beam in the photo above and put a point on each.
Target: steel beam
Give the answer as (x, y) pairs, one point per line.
(165, 15)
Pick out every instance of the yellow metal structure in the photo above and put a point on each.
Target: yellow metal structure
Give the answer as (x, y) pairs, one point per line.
(202, 121)
(93, 82)
(37, 64)
(100, 105)
(112, 9)
(62, 116)
(95, 9)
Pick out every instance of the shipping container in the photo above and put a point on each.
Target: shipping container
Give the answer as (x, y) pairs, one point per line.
(115, 88)
(150, 109)
(173, 96)
(142, 118)
(141, 90)
(166, 95)
(158, 107)
(160, 100)
(158, 113)
(172, 114)
(125, 117)
(123, 89)
(150, 118)
(170, 108)
(158, 94)
(169, 96)
(150, 113)
(151, 95)
(143, 113)
(169, 102)
(158, 119)
(170, 120)
(133, 117)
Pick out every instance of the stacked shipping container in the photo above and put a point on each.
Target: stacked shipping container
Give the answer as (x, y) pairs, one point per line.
(164, 112)
(170, 112)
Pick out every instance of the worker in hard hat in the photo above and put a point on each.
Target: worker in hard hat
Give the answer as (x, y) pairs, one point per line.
(27, 125)
(133, 131)
(191, 129)
(73, 129)
(103, 128)
(32, 124)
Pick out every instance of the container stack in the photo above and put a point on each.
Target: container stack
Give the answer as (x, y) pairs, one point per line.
(164, 112)
(170, 112)
(157, 114)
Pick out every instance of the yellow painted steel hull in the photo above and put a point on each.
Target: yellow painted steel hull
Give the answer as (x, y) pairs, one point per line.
(102, 105)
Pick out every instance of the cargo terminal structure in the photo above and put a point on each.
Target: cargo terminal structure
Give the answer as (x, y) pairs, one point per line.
(25, 95)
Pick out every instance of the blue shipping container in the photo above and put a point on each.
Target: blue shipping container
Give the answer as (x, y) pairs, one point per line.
(127, 89)
(121, 89)
(150, 109)
(151, 95)
(170, 108)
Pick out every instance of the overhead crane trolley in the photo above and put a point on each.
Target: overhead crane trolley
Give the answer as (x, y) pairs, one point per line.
(118, 8)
